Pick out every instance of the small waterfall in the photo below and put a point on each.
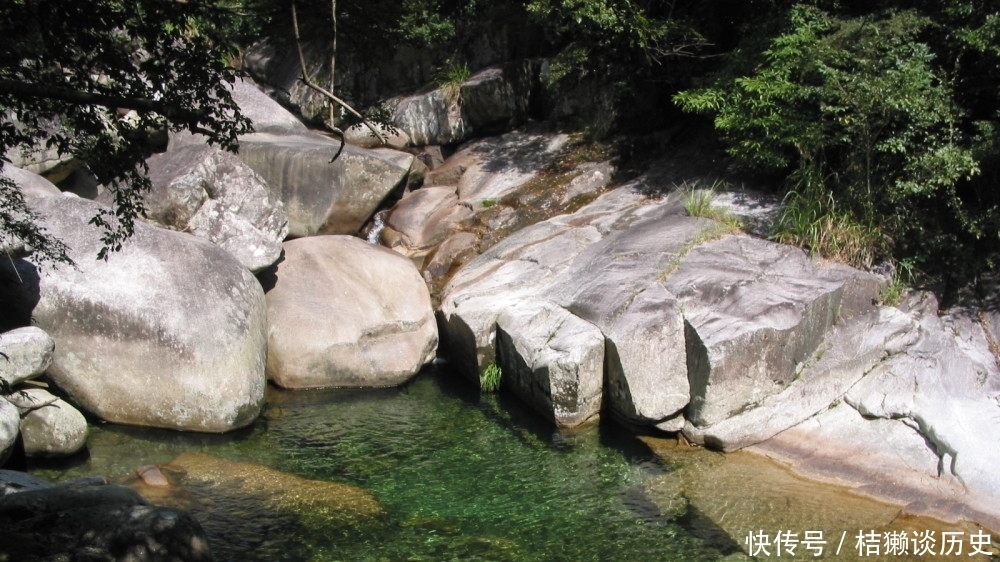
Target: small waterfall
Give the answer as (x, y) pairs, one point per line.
(376, 226)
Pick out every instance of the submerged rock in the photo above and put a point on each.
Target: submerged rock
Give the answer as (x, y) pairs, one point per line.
(321, 505)
(91, 520)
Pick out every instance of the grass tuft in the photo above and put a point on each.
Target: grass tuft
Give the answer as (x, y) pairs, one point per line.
(489, 381)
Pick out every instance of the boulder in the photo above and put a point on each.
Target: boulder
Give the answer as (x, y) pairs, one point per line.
(267, 114)
(433, 117)
(618, 284)
(552, 360)
(25, 353)
(320, 196)
(497, 99)
(50, 426)
(170, 331)
(212, 194)
(30, 183)
(754, 310)
(84, 520)
(346, 313)
(425, 217)
(848, 352)
(513, 272)
(493, 100)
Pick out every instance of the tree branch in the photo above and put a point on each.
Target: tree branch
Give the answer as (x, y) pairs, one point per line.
(309, 82)
(80, 97)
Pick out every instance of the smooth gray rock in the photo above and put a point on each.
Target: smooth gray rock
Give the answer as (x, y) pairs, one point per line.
(754, 311)
(513, 271)
(346, 313)
(25, 353)
(936, 389)
(495, 166)
(434, 117)
(552, 360)
(266, 113)
(849, 351)
(50, 426)
(617, 284)
(321, 197)
(168, 332)
(490, 101)
(212, 194)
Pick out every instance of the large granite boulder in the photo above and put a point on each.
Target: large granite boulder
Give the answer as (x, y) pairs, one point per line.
(170, 331)
(346, 313)
(25, 353)
(212, 194)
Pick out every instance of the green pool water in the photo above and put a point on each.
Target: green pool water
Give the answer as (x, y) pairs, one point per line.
(469, 477)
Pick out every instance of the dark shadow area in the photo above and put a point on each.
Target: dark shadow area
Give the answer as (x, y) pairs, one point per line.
(19, 292)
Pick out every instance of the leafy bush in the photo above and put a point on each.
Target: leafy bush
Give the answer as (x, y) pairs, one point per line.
(860, 112)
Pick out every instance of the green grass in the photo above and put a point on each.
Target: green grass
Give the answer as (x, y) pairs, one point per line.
(815, 224)
(700, 202)
(489, 381)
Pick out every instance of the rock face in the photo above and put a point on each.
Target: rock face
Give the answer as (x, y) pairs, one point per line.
(345, 313)
(212, 194)
(321, 197)
(920, 425)
(697, 323)
(168, 332)
(90, 520)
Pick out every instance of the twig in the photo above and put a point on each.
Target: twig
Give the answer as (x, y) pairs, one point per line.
(309, 82)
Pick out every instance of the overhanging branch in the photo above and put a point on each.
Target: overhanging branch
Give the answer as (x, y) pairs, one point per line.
(80, 97)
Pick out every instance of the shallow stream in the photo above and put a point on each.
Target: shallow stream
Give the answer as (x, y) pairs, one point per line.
(464, 477)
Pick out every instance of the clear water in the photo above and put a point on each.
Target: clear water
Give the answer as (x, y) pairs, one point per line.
(471, 478)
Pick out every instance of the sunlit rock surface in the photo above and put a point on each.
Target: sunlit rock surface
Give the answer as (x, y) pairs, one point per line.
(168, 332)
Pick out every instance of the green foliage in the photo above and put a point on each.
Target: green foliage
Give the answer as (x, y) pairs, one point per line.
(862, 115)
(69, 72)
(489, 380)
